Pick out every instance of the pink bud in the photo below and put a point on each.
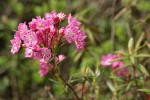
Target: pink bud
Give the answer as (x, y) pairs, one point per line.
(60, 58)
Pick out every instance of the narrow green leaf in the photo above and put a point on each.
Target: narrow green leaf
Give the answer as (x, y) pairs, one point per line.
(132, 58)
(129, 85)
(90, 35)
(142, 55)
(116, 78)
(110, 85)
(52, 80)
(144, 90)
(121, 87)
(97, 72)
(142, 36)
(77, 57)
(143, 70)
(130, 45)
(91, 72)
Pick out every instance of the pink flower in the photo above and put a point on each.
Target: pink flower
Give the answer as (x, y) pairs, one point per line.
(73, 21)
(122, 71)
(22, 26)
(22, 29)
(30, 39)
(107, 60)
(29, 52)
(16, 42)
(79, 45)
(61, 31)
(73, 33)
(61, 15)
(44, 66)
(37, 53)
(117, 64)
(40, 23)
(80, 40)
(70, 33)
(46, 54)
(43, 71)
(32, 24)
(53, 31)
(52, 17)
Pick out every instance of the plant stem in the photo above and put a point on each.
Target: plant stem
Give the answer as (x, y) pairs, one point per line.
(67, 84)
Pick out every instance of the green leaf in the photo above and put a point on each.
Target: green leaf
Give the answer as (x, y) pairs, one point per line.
(77, 57)
(97, 72)
(121, 87)
(141, 38)
(91, 72)
(143, 70)
(116, 78)
(132, 58)
(130, 85)
(131, 45)
(144, 90)
(52, 80)
(142, 55)
(110, 85)
(90, 35)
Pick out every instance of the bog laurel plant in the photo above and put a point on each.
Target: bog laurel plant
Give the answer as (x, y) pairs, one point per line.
(42, 38)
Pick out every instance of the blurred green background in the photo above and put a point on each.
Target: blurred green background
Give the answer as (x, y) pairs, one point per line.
(108, 24)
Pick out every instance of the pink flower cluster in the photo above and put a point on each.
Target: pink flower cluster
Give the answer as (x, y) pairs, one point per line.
(42, 36)
(107, 60)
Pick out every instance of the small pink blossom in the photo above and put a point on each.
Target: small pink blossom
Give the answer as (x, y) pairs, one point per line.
(22, 29)
(107, 60)
(37, 53)
(79, 45)
(29, 52)
(70, 34)
(52, 17)
(73, 21)
(117, 64)
(122, 71)
(61, 15)
(16, 44)
(40, 23)
(44, 66)
(46, 54)
(73, 33)
(60, 58)
(80, 40)
(22, 26)
(61, 30)
(43, 71)
(32, 24)
(30, 40)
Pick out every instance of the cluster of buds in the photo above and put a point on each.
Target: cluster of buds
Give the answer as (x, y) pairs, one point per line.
(43, 36)
(109, 60)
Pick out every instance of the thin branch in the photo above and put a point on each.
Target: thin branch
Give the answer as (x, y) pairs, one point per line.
(67, 84)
